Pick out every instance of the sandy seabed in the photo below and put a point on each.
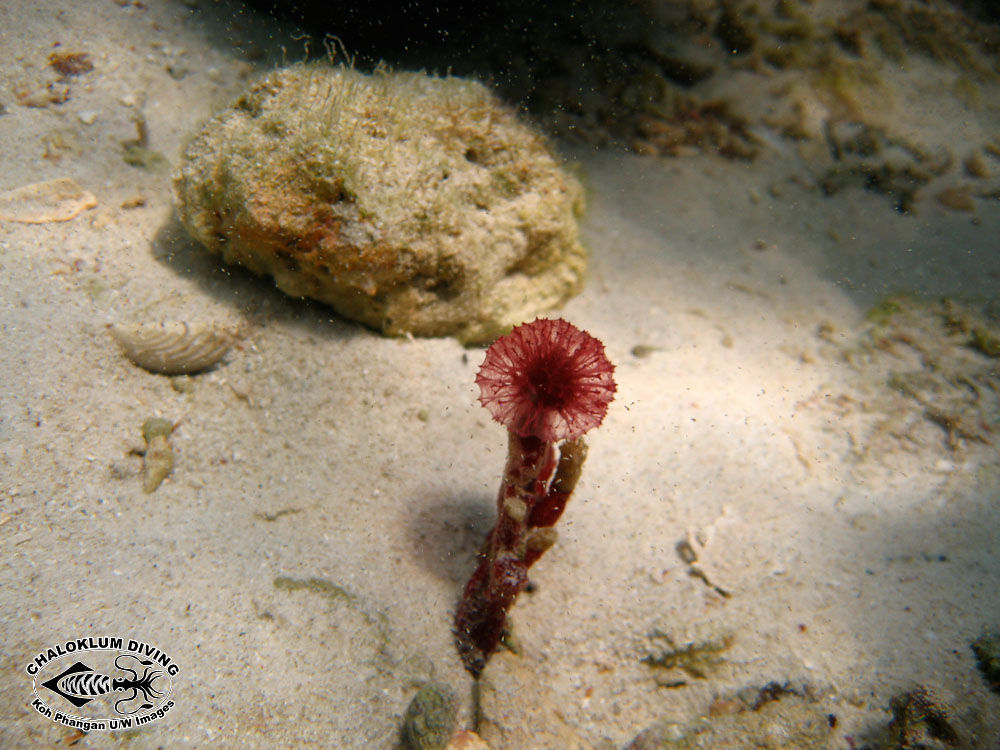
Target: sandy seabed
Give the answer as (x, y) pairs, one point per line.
(757, 483)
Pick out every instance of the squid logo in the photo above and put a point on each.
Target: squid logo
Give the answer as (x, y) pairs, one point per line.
(79, 684)
(104, 683)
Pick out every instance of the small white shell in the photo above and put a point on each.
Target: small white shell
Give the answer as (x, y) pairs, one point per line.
(174, 347)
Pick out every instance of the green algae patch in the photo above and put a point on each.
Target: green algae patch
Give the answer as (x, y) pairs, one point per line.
(987, 651)
(925, 363)
(696, 660)
(334, 594)
(321, 586)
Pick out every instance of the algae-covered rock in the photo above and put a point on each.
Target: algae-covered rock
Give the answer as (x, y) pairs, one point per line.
(430, 719)
(410, 203)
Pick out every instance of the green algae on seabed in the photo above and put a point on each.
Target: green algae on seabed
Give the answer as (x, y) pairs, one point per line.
(333, 593)
(321, 586)
(145, 158)
(696, 660)
(271, 517)
(136, 152)
(987, 651)
(936, 354)
(884, 310)
(986, 341)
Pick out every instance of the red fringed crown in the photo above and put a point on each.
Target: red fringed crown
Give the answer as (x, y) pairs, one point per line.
(548, 379)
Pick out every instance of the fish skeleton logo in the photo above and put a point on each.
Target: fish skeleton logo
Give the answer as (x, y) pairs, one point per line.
(114, 683)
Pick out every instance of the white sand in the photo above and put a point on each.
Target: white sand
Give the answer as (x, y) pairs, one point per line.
(857, 573)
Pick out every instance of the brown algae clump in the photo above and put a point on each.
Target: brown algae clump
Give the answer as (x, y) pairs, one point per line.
(413, 204)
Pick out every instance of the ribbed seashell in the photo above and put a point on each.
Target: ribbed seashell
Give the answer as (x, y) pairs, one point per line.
(174, 347)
